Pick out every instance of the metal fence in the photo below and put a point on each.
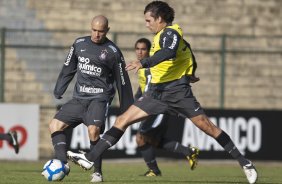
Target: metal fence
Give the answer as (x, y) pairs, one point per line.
(41, 41)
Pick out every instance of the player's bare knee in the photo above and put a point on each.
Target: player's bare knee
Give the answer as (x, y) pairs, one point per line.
(121, 122)
(53, 126)
(56, 125)
(94, 132)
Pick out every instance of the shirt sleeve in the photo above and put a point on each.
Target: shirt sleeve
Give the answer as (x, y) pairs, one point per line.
(67, 73)
(123, 84)
(169, 42)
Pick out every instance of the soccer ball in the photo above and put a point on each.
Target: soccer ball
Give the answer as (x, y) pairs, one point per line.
(54, 170)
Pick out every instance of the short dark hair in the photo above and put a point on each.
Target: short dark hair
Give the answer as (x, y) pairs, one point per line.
(160, 9)
(144, 40)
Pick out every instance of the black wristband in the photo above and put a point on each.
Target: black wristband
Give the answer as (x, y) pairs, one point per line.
(145, 63)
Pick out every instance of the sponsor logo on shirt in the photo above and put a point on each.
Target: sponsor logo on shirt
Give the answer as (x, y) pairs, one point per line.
(67, 62)
(87, 89)
(164, 39)
(87, 68)
(173, 42)
(113, 48)
(80, 40)
(121, 73)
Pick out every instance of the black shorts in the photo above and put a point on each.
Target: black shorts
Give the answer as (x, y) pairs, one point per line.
(176, 100)
(154, 126)
(88, 112)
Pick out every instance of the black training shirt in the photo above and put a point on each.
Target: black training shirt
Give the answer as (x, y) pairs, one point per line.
(98, 67)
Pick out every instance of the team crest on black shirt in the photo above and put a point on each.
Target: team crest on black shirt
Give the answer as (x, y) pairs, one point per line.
(103, 54)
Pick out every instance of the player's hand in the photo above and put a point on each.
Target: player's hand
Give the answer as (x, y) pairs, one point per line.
(135, 65)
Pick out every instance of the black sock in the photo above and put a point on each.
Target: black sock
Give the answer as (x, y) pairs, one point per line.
(224, 140)
(6, 137)
(148, 154)
(98, 161)
(176, 147)
(59, 143)
(110, 138)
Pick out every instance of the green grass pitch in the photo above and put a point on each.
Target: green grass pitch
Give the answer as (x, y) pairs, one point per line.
(128, 172)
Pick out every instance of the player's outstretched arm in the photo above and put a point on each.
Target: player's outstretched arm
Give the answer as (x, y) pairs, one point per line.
(135, 65)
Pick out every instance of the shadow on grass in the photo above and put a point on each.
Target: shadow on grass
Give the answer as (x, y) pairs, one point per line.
(186, 181)
(174, 181)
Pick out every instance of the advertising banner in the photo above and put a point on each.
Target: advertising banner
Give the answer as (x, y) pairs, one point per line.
(24, 119)
(257, 134)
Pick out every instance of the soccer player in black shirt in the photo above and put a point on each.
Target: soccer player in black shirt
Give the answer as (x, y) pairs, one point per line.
(98, 63)
(170, 64)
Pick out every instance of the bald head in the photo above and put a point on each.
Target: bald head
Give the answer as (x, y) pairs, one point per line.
(100, 20)
(100, 28)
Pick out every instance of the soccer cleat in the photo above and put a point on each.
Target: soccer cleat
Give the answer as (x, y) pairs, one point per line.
(193, 158)
(14, 142)
(250, 172)
(80, 159)
(96, 177)
(67, 169)
(151, 173)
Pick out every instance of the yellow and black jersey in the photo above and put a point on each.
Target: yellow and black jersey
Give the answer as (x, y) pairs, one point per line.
(144, 79)
(170, 57)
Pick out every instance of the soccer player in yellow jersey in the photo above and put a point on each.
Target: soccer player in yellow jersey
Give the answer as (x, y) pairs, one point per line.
(170, 64)
(151, 132)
